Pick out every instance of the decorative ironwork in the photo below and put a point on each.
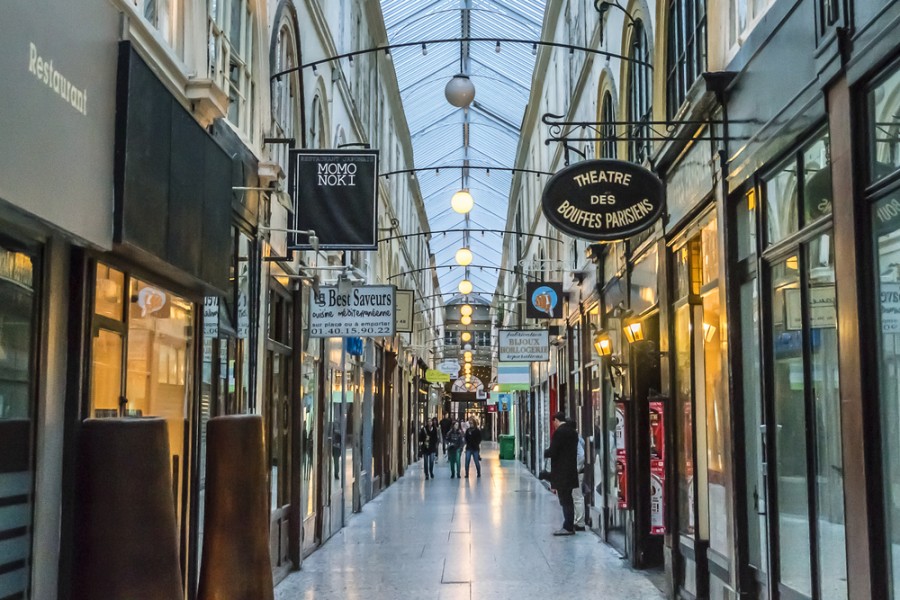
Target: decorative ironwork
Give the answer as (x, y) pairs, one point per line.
(566, 132)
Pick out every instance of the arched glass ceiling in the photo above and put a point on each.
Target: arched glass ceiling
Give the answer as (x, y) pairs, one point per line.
(485, 135)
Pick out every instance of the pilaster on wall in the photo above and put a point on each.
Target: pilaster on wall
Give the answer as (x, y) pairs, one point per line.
(855, 398)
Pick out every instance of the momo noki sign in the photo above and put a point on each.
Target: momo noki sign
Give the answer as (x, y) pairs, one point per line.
(335, 194)
(603, 200)
(364, 311)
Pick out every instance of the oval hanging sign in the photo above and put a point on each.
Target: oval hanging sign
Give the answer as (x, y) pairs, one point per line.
(603, 200)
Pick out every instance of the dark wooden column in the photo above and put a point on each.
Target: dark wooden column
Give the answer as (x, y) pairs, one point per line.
(849, 236)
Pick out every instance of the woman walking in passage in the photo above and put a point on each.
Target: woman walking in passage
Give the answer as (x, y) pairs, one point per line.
(473, 445)
(428, 444)
(455, 443)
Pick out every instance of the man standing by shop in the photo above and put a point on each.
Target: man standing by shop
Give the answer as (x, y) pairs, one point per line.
(563, 455)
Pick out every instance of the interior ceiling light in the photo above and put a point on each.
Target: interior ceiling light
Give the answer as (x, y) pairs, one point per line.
(466, 310)
(464, 257)
(462, 202)
(465, 287)
(466, 336)
(465, 320)
(460, 91)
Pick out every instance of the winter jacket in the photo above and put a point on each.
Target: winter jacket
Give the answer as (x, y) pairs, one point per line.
(454, 439)
(473, 439)
(428, 439)
(563, 455)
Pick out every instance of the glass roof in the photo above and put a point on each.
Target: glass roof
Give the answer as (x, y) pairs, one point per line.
(486, 135)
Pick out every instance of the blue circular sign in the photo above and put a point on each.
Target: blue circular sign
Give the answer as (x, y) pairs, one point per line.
(545, 299)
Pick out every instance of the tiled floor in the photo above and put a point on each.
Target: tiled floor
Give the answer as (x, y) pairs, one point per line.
(452, 539)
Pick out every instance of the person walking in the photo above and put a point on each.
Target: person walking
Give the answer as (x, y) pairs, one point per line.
(563, 455)
(428, 440)
(446, 423)
(455, 441)
(473, 445)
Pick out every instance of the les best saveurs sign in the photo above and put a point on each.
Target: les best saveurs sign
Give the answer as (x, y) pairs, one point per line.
(603, 200)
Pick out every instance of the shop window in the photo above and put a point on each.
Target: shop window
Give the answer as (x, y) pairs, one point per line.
(798, 192)
(701, 408)
(883, 103)
(781, 203)
(886, 226)
(141, 360)
(884, 127)
(644, 282)
(18, 315)
(746, 225)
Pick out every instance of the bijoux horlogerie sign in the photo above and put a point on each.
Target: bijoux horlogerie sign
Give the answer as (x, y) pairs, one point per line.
(363, 311)
(524, 345)
(603, 200)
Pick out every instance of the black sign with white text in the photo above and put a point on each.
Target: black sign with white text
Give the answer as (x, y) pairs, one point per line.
(603, 200)
(335, 194)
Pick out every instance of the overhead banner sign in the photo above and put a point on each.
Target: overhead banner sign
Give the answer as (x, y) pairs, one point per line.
(524, 345)
(405, 311)
(335, 194)
(603, 200)
(543, 300)
(364, 311)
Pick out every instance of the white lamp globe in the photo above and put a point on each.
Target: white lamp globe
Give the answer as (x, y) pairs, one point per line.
(464, 257)
(460, 91)
(465, 287)
(462, 202)
(466, 310)
(465, 320)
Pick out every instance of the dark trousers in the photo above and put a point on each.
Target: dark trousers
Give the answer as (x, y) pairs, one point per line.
(429, 465)
(568, 507)
(477, 456)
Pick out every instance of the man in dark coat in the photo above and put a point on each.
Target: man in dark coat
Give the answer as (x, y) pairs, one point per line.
(563, 455)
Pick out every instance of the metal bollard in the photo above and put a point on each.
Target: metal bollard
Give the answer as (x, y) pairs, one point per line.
(126, 544)
(235, 563)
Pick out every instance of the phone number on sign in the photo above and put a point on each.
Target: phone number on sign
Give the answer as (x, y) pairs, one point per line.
(346, 330)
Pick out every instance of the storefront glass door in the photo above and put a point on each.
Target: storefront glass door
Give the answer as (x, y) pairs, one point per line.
(18, 319)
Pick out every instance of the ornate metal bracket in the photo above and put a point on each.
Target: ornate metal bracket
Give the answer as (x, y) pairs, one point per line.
(564, 132)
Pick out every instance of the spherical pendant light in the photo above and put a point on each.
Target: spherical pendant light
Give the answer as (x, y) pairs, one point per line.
(464, 257)
(466, 336)
(465, 320)
(466, 310)
(460, 91)
(465, 287)
(467, 356)
(462, 202)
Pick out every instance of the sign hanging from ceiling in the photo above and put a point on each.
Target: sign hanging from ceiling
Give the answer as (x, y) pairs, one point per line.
(435, 376)
(335, 194)
(364, 311)
(543, 300)
(524, 345)
(603, 200)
